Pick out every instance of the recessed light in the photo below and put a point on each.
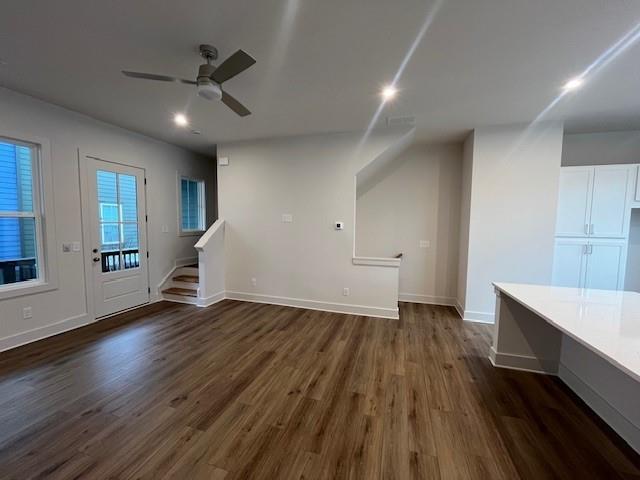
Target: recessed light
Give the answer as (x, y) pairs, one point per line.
(573, 84)
(181, 120)
(389, 92)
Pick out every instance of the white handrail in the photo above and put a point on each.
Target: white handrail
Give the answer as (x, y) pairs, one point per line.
(208, 235)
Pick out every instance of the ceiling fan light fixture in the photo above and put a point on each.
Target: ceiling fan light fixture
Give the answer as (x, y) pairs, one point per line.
(181, 120)
(209, 90)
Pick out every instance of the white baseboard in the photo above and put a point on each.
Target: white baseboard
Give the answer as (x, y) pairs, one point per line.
(211, 300)
(183, 262)
(521, 362)
(39, 333)
(349, 309)
(478, 317)
(612, 416)
(427, 299)
(459, 309)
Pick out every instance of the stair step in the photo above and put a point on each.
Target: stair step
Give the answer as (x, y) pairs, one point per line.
(187, 278)
(185, 292)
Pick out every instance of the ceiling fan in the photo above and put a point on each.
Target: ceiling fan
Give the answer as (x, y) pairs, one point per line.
(210, 78)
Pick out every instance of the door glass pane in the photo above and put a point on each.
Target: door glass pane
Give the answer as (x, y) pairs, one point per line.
(18, 251)
(128, 197)
(118, 220)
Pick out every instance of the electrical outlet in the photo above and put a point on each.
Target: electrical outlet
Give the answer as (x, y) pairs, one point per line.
(424, 244)
(345, 292)
(27, 313)
(254, 282)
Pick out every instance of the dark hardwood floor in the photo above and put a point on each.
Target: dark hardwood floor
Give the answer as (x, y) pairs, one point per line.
(243, 390)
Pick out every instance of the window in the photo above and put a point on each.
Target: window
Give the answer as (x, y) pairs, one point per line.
(20, 215)
(192, 206)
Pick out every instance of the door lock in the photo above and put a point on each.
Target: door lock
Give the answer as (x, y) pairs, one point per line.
(95, 250)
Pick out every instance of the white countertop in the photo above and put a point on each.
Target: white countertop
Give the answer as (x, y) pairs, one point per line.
(606, 322)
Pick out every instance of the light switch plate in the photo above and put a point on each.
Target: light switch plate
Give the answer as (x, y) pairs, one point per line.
(66, 247)
(287, 218)
(76, 247)
(27, 312)
(223, 161)
(425, 244)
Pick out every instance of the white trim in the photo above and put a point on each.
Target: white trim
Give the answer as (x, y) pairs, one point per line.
(611, 415)
(377, 261)
(40, 333)
(459, 309)
(427, 299)
(208, 301)
(522, 362)
(478, 317)
(348, 309)
(184, 261)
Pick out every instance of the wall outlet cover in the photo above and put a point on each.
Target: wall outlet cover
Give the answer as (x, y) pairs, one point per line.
(27, 312)
(346, 292)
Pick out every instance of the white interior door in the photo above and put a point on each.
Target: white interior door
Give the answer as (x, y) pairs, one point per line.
(609, 212)
(605, 265)
(569, 263)
(574, 201)
(116, 206)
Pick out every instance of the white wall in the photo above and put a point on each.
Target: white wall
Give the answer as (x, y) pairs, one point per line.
(514, 194)
(601, 148)
(67, 131)
(465, 215)
(417, 199)
(306, 262)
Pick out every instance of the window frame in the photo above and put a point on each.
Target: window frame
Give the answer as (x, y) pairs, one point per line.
(202, 206)
(43, 213)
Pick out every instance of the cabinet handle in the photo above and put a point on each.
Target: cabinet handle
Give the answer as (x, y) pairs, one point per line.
(586, 228)
(591, 229)
(590, 249)
(585, 249)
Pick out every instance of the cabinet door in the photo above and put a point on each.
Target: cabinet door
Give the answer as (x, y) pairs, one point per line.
(569, 263)
(605, 265)
(609, 208)
(574, 201)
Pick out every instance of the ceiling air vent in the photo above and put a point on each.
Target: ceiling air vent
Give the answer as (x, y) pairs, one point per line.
(401, 121)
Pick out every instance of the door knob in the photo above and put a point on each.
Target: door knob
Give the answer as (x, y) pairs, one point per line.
(96, 259)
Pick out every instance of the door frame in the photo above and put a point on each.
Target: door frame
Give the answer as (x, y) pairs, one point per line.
(89, 286)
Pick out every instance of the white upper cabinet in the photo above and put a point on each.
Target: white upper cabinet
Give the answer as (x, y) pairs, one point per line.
(609, 216)
(595, 201)
(574, 201)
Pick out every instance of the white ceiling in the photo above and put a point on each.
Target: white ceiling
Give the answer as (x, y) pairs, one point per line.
(321, 63)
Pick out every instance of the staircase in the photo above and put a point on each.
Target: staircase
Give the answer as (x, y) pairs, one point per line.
(183, 285)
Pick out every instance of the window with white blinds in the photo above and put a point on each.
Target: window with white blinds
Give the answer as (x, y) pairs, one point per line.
(192, 206)
(20, 214)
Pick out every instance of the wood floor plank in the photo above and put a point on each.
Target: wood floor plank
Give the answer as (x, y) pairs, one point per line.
(246, 390)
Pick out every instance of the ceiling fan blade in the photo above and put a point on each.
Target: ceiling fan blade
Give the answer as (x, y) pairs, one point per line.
(153, 76)
(232, 66)
(235, 105)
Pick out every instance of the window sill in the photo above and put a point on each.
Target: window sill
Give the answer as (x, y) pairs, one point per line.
(20, 289)
(191, 233)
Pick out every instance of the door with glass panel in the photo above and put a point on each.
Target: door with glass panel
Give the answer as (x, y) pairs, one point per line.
(118, 236)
